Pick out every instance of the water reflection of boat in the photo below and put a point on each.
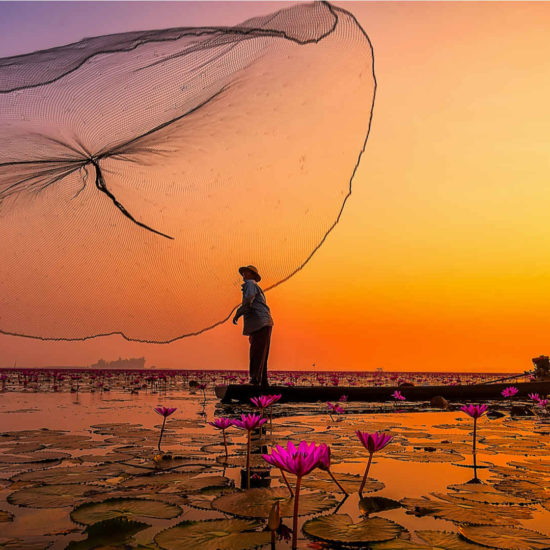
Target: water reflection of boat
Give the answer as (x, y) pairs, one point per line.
(310, 394)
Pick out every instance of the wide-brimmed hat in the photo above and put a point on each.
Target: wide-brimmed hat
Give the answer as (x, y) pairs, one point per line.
(253, 269)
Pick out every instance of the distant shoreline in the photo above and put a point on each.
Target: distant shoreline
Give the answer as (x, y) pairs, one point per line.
(244, 371)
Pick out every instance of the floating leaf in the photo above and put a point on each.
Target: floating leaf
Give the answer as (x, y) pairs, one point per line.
(50, 496)
(256, 461)
(107, 533)
(506, 538)
(372, 505)
(5, 516)
(339, 528)
(33, 543)
(41, 456)
(435, 540)
(350, 482)
(534, 465)
(92, 512)
(226, 534)
(479, 492)
(425, 456)
(461, 511)
(523, 489)
(257, 503)
(63, 475)
(185, 483)
(110, 457)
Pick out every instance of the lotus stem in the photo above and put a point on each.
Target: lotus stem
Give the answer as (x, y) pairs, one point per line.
(287, 484)
(475, 426)
(248, 461)
(365, 476)
(295, 520)
(338, 484)
(271, 419)
(161, 432)
(225, 443)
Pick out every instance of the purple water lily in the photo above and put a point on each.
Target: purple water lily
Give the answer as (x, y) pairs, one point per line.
(299, 461)
(373, 442)
(165, 412)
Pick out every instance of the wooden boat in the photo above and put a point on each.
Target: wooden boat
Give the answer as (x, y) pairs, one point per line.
(309, 394)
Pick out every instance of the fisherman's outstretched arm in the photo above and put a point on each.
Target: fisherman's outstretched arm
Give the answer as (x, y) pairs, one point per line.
(249, 294)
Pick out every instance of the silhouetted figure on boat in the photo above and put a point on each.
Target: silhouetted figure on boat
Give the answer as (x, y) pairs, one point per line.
(257, 324)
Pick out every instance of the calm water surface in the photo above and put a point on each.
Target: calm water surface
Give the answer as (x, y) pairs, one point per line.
(431, 450)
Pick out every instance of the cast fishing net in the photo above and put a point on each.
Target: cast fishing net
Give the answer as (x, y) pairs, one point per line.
(139, 170)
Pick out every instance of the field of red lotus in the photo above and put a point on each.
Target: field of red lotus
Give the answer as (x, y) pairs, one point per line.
(153, 461)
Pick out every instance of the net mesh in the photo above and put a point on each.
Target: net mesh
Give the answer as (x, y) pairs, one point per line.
(139, 170)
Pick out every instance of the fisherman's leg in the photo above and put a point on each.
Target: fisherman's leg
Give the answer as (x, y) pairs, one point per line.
(264, 381)
(256, 354)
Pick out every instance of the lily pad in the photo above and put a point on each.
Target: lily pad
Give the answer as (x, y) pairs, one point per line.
(62, 475)
(506, 538)
(480, 492)
(33, 543)
(534, 465)
(177, 482)
(435, 540)
(5, 516)
(92, 512)
(257, 503)
(40, 456)
(425, 456)
(350, 482)
(226, 534)
(373, 505)
(50, 496)
(107, 533)
(460, 511)
(340, 528)
(523, 489)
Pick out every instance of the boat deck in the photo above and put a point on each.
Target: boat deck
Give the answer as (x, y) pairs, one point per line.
(310, 394)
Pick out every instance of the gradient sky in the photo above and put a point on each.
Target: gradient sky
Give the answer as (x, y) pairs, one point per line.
(438, 262)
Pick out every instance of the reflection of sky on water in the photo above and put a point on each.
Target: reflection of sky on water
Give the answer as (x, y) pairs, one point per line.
(77, 412)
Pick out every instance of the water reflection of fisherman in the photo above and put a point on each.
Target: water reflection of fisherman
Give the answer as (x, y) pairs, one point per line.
(257, 324)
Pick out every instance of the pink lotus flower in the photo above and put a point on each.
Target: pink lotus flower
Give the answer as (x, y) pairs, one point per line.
(265, 401)
(398, 396)
(249, 422)
(375, 441)
(165, 411)
(222, 423)
(372, 442)
(274, 399)
(534, 396)
(542, 403)
(300, 462)
(335, 408)
(475, 411)
(510, 391)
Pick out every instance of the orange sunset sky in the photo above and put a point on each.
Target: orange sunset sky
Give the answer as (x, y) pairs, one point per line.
(439, 260)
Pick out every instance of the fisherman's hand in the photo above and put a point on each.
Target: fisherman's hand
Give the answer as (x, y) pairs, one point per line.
(235, 320)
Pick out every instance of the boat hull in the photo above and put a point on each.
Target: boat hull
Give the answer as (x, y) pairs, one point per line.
(310, 394)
